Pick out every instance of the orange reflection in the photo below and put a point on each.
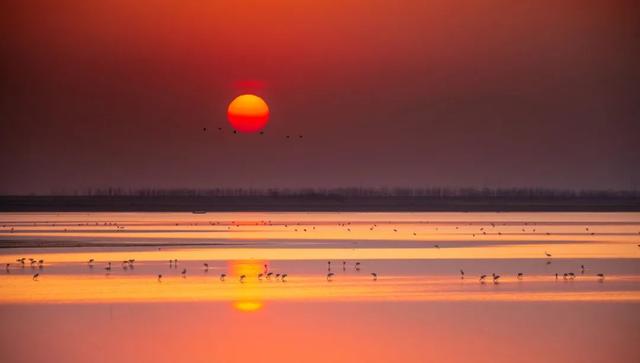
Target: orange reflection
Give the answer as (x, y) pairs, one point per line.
(248, 306)
(251, 268)
(251, 295)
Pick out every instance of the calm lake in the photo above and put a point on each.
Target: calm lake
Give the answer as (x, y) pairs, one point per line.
(359, 287)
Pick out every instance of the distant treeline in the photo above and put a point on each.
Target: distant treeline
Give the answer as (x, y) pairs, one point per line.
(356, 192)
(331, 199)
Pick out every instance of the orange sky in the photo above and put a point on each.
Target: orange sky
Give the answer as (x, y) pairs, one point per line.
(436, 92)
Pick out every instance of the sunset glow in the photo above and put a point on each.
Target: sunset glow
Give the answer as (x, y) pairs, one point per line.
(319, 181)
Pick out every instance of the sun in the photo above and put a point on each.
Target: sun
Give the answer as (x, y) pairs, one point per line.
(248, 113)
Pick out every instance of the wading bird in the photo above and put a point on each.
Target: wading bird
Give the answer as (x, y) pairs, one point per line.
(184, 272)
(375, 276)
(329, 276)
(242, 277)
(222, 276)
(495, 277)
(461, 273)
(601, 276)
(284, 276)
(547, 254)
(520, 274)
(482, 277)
(35, 277)
(160, 278)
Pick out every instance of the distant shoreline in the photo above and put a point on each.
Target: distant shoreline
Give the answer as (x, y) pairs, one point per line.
(203, 204)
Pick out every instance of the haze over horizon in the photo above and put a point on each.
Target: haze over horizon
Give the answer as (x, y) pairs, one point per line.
(398, 94)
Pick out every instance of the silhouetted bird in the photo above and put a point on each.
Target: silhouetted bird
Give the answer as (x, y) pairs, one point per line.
(260, 276)
(495, 277)
(601, 276)
(184, 272)
(329, 276)
(222, 276)
(461, 274)
(547, 254)
(159, 277)
(482, 277)
(375, 276)
(242, 277)
(520, 274)
(284, 276)
(35, 277)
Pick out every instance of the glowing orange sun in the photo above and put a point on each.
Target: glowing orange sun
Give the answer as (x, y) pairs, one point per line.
(248, 113)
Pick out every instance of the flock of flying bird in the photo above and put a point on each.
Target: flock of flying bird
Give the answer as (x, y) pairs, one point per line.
(235, 132)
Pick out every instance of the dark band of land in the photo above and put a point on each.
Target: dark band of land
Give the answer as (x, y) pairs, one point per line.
(364, 201)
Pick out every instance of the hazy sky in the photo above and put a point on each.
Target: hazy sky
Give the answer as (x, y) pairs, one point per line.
(386, 93)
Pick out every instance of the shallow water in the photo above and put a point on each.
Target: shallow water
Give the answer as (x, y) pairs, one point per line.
(420, 307)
